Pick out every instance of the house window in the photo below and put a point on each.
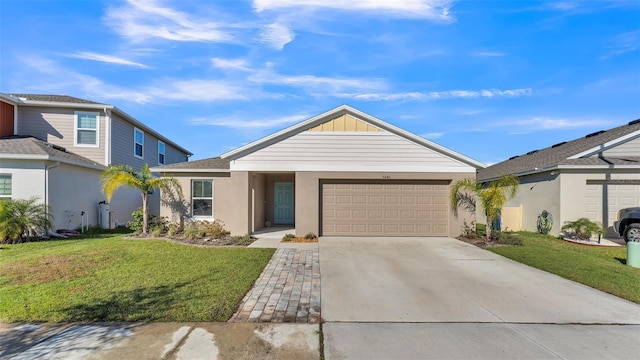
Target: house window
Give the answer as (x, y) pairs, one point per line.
(5, 187)
(138, 143)
(160, 153)
(86, 125)
(202, 197)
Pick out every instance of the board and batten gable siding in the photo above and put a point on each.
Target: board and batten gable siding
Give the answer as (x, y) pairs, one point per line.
(628, 148)
(122, 146)
(348, 151)
(57, 126)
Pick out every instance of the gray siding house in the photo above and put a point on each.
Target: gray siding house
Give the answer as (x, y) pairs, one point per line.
(593, 176)
(36, 131)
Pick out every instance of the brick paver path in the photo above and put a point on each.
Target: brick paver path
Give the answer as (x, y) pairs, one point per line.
(288, 290)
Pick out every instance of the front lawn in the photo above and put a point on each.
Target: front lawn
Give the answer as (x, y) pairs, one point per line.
(602, 268)
(109, 278)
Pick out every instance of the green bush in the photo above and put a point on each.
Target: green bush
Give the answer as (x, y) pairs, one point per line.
(214, 229)
(138, 220)
(23, 220)
(583, 228)
(310, 236)
(288, 237)
(469, 230)
(242, 240)
(507, 238)
(191, 231)
(172, 230)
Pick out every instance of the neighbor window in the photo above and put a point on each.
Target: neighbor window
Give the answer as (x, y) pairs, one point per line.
(202, 197)
(5, 187)
(160, 153)
(86, 129)
(138, 143)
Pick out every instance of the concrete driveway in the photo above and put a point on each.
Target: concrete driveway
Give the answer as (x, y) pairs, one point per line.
(418, 298)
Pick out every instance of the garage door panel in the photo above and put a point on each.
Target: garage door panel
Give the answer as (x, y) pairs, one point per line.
(402, 209)
(617, 196)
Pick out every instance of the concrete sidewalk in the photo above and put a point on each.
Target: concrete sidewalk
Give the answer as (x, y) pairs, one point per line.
(159, 341)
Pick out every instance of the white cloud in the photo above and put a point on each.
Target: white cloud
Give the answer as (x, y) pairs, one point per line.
(231, 64)
(317, 84)
(436, 95)
(427, 9)
(545, 123)
(140, 20)
(488, 54)
(276, 36)
(241, 123)
(623, 43)
(109, 59)
(433, 135)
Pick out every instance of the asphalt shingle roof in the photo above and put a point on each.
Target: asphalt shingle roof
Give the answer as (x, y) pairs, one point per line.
(27, 145)
(215, 163)
(558, 154)
(54, 98)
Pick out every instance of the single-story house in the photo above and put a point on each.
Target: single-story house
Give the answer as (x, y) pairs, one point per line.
(342, 172)
(593, 177)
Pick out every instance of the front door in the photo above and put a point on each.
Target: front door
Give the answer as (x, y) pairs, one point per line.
(283, 203)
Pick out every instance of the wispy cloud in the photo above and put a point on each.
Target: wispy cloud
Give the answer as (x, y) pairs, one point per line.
(276, 35)
(623, 43)
(140, 20)
(428, 9)
(436, 95)
(432, 135)
(109, 59)
(547, 123)
(488, 54)
(231, 64)
(317, 84)
(244, 123)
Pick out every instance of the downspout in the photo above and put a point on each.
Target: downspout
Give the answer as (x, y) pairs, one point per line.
(107, 137)
(46, 183)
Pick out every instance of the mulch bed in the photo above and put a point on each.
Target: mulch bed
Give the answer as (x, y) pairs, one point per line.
(227, 241)
(300, 240)
(480, 242)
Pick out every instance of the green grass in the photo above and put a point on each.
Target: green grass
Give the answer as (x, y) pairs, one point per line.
(602, 268)
(108, 278)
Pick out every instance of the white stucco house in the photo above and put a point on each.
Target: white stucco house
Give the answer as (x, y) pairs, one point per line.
(55, 147)
(593, 177)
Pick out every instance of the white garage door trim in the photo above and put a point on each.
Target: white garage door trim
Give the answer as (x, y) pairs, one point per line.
(384, 208)
(620, 195)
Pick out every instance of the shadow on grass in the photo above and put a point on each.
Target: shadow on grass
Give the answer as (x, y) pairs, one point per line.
(140, 304)
(622, 261)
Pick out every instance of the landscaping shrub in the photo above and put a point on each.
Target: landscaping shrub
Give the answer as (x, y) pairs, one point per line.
(507, 238)
(583, 228)
(469, 230)
(243, 240)
(138, 220)
(191, 231)
(23, 220)
(310, 236)
(214, 229)
(288, 237)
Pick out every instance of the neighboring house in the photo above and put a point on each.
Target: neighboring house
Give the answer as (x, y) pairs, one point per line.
(55, 148)
(591, 177)
(339, 173)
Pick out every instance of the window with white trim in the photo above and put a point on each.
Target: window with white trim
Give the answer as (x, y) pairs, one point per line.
(5, 187)
(161, 148)
(86, 128)
(202, 198)
(138, 143)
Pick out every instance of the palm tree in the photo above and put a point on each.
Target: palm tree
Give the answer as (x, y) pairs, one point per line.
(22, 219)
(492, 196)
(117, 176)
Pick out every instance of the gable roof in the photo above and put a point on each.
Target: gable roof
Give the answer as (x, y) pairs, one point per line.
(66, 101)
(574, 153)
(30, 148)
(215, 164)
(339, 111)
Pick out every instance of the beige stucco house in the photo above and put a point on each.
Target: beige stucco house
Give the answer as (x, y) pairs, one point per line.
(593, 177)
(342, 172)
(54, 148)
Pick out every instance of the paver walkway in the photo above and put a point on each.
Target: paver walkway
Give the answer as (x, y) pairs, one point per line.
(288, 290)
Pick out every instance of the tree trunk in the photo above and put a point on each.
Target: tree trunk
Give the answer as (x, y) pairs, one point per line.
(489, 226)
(145, 214)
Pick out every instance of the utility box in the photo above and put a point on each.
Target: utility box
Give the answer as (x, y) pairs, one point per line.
(104, 216)
(633, 254)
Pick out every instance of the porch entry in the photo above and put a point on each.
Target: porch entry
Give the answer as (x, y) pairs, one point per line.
(284, 208)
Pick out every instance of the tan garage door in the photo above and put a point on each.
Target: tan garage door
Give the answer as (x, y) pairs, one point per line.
(358, 208)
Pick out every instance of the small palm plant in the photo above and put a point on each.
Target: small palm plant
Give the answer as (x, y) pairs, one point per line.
(117, 176)
(22, 220)
(583, 228)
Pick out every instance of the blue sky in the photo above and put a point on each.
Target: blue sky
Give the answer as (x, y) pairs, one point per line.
(489, 79)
